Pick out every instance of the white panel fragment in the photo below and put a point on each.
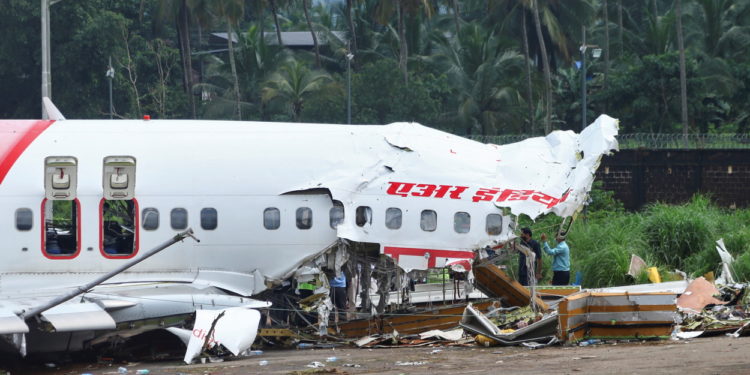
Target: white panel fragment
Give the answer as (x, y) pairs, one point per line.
(235, 330)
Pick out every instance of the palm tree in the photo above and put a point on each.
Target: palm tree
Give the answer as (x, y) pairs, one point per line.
(385, 10)
(312, 32)
(292, 86)
(484, 73)
(545, 64)
(683, 78)
(179, 11)
(275, 12)
(231, 11)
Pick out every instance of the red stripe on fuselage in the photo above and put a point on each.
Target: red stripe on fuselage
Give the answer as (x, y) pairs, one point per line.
(395, 252)
(15, 137)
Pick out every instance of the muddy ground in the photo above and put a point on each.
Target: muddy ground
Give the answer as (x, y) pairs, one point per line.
(713, 355)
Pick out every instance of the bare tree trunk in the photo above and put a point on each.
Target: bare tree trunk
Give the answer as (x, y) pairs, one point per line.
(655, 9)
(683, 78)
(312, 32)
(547, 73)
(456, 16)
(619, 26)
(606, 48)
(132, 73)
(403, 48)
(183, 30)
(274, 10)
(233, 65)
(350, 21)
(529, 92)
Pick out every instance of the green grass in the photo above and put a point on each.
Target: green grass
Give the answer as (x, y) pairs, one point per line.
(669, 237)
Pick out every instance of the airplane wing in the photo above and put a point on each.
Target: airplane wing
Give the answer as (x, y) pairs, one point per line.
(116, 309)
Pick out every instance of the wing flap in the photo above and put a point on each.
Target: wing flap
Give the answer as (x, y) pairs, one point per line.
(11, 323)
(78, 317)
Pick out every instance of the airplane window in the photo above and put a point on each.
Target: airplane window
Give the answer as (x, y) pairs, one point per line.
(271, 218)
(393, 218)
(24, 219)
(336, 215)
(462, 222)
(429, 221)
(60, 227)
(118, 227)
(494, 224)
(363, 216)
(150, 217)
(304, 218)
(209, 218)
(178, 218)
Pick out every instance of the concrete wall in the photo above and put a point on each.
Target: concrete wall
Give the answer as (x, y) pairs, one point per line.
(639, 177)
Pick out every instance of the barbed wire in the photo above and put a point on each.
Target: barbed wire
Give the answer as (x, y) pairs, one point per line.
(649, 140)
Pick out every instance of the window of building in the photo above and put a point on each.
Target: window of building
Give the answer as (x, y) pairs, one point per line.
(428, 221)
(24, 219)
(336, 215)
(178, 218)
(462, 222)
(61, 228)
(271, 218)
(304, 218)
(209, 218)
(150, 217)
(118, 227)
(393, 218)
(363, 216)
(494, 224)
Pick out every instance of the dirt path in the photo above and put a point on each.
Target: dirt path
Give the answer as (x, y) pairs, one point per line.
(716, 355)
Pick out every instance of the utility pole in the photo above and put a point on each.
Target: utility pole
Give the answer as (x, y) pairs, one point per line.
(46, 74)
(583, 80)
(110, 75)
(46, 84)
(349, 57)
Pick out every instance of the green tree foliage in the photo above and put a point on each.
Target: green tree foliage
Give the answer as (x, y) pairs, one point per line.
(380, 96)
(462, 64)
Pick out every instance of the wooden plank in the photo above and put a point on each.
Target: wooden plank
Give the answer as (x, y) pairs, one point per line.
(439, 318)
(495, 283)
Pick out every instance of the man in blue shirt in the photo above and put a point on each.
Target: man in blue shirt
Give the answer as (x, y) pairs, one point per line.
(561, 260)
(338, 289)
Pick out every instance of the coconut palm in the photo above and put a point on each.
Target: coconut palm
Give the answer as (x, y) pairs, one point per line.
(179, 12)
(683, 76)
(484, 74)
(231, 11)
(292, 86)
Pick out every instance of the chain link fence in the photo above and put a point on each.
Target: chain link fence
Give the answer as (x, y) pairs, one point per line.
(650, 141)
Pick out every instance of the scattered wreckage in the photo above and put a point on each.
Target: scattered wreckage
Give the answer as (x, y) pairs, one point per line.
(456, 199)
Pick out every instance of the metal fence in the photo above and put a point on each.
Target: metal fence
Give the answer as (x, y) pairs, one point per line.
(651, 141)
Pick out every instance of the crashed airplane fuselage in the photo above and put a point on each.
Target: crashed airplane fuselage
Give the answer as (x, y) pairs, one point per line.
(263, 198)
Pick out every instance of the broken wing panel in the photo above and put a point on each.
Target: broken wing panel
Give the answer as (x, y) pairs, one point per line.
(234, 328)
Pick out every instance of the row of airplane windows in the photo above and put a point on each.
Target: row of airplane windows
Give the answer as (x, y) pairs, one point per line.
(119, 223)
(178, 218)
(271, 217)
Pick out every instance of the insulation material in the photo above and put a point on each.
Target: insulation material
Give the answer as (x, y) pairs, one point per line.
(699, 294)
(616, 315)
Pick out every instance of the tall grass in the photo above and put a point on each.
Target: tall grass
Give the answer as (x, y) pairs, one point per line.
(666, 236)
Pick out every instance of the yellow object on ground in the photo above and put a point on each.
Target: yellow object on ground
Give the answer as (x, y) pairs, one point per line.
(483, 340)
(653, 275)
